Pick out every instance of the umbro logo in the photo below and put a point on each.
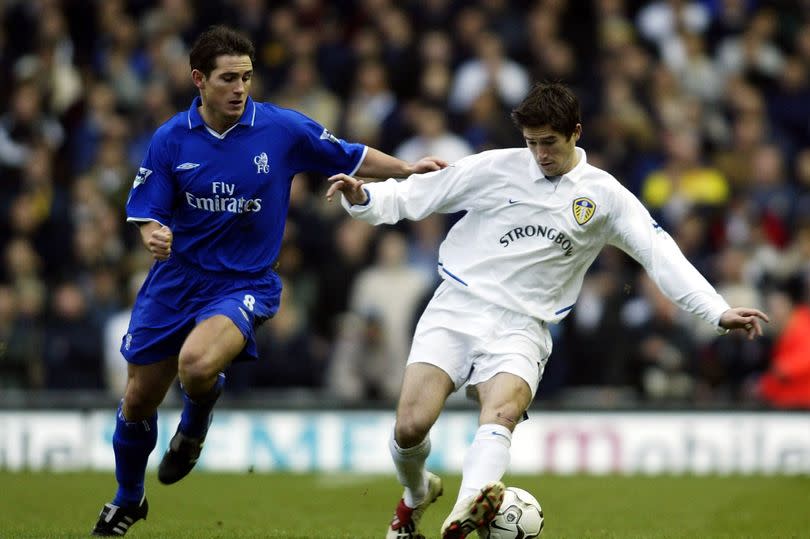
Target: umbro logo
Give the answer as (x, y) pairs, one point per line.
(187, 166)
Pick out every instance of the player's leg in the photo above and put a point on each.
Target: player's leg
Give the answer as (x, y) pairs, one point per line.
(503, 399)
(133, 440)
(206, 353)
(425, 389)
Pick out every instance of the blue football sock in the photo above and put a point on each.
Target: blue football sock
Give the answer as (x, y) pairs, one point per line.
(132, 443)
(196, 416)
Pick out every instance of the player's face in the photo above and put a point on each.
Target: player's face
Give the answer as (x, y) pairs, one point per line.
(555, 155)
(224, 93)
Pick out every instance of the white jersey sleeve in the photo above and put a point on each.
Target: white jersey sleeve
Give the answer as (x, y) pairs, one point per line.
(633, 230)
(443, 191)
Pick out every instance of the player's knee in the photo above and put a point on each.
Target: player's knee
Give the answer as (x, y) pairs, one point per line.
(140, 403)
(506, 414)
(410, 430)
(195, 366)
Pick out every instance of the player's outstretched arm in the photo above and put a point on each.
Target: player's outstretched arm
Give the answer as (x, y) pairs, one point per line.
(380, 165)
(745, 319)
(352, 189)
(157, 238)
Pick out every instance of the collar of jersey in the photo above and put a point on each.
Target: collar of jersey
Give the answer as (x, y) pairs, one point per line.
(574, 174)
(195, 120)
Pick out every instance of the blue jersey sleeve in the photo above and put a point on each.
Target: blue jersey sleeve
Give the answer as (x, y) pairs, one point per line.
(152, 193)
(318, 150)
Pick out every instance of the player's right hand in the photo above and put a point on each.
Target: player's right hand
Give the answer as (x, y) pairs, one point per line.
(352, 189)
(160, 243)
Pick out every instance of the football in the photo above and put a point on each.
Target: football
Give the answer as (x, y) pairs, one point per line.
(520, 517)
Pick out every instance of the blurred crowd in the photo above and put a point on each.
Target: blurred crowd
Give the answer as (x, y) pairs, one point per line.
(699, 107)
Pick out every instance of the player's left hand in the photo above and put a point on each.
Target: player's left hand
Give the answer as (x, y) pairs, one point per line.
(745, 319)
(428, 164)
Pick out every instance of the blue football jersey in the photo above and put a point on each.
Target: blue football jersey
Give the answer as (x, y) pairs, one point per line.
(225, 196)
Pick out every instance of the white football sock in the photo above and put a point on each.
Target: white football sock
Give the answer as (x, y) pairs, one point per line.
(486, 460)
(410, 465)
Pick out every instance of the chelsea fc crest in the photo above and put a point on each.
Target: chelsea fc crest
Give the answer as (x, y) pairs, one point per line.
(584, 209)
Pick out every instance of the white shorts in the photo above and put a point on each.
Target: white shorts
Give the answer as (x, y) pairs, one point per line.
(472, 340)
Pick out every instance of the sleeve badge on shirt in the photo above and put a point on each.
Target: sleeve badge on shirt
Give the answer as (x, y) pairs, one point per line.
(141, 176)
(584, 208)
(326, 135)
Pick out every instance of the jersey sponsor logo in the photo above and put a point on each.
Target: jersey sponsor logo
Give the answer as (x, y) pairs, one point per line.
(141, 176)
(538, 231)
(224, 204)
(224, 200)
(326, 135)
(584, 208)
(262, 163)
(187, 166)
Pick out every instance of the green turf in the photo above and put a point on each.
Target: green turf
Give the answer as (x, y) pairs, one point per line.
(359, 507)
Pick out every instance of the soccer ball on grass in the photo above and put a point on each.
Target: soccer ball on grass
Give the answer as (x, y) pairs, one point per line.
(520, 517)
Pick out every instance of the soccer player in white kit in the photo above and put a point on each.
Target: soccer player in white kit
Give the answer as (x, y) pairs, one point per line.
(536, 219)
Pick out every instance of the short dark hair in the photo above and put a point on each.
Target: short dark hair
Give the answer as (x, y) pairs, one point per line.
(219, 41)
(549, 103)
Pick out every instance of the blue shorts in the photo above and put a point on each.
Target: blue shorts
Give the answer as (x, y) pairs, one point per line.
(176, 297)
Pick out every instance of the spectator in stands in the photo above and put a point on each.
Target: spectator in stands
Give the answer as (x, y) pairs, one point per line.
(486, 127)
(100, 120)
(728, 366)
(787, 382)
(772, 195)
(383, 297)
(801, 177)
(754, 53)
(372, 106)
(432, 136)
(50, 66)
(349, 255)
(304, 92)
(734, 158)
(357, 369)
(659, 22)
(665, 350)
(20, 346)
(72, 352)
(489, 68)
(25, 125)
(789, 106)
(683, 182)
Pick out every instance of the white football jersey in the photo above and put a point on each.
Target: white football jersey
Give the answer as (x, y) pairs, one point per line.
(526, 242)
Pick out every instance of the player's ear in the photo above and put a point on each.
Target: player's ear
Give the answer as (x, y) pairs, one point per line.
(198, 78)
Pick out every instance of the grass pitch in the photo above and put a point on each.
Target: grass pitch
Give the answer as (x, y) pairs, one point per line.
(285, 506)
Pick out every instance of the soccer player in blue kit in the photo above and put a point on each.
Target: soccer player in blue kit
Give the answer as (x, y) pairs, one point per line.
(211, 200)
